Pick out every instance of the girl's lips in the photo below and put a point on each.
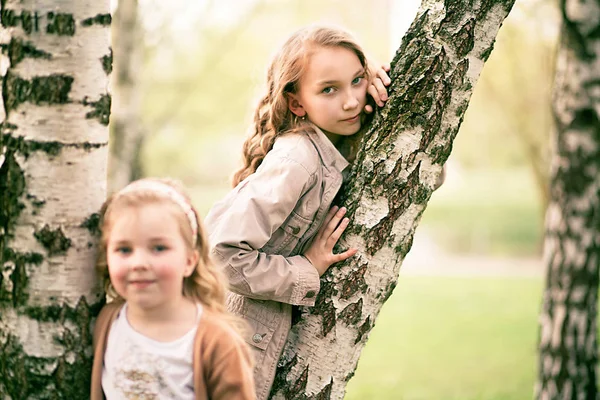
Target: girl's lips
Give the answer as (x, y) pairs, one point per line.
(353, 119)
(140, 284)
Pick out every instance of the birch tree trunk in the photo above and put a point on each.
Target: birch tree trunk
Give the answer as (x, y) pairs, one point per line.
(54, 68)
(568, 345)
(401, 156)
(127, 132)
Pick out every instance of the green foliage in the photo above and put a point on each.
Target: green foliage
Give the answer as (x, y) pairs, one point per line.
(486, 212)
(452, 338)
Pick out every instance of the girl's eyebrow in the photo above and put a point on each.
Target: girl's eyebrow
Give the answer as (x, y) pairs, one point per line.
(331, 82)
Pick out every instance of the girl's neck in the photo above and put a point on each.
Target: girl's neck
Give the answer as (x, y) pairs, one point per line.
(166, 322)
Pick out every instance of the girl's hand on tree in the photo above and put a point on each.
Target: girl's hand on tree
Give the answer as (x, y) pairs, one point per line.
(378, 80)
(320, 253)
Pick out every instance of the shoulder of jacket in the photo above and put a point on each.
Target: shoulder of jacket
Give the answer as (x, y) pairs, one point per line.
(298, 148)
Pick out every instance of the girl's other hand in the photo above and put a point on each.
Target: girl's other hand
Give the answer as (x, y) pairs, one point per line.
(378, 82)
(320, 253)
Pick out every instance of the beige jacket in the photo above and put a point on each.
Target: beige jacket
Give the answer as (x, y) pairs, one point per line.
(221, 361)
(259, 232)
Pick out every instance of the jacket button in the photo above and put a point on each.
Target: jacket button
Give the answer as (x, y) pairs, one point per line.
(310, 294)
(295, 230)
(257, 338)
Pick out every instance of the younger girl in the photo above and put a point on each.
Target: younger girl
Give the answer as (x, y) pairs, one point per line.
(167, 334)
(274, 233)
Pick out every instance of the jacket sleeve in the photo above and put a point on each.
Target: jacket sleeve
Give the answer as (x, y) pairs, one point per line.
(230, 376)
(260, 206)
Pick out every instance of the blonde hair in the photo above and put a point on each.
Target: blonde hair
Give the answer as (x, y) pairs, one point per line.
(272, 117)
(206, 284)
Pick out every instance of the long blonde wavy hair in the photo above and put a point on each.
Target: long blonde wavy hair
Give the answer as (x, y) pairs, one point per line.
(272, 117)
(206, 284)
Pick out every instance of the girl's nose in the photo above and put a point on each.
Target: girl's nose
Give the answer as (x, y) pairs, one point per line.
(351, 102)
(139, 261)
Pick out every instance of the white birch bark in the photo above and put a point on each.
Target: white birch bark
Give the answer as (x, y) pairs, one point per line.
(399, 160)
(54, 66)
(568, 355)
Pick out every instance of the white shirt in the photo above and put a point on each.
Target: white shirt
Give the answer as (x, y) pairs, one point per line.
(137, 367)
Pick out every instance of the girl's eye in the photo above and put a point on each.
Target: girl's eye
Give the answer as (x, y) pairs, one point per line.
(357, 80)
(123, 250)
(159, 248)
(327, 90)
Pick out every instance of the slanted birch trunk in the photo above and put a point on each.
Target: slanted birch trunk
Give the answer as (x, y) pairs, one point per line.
(568, 354)
(54, 109)
(127, 132)
(399, 160)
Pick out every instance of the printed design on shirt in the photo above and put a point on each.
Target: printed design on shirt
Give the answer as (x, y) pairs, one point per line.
(140, 375)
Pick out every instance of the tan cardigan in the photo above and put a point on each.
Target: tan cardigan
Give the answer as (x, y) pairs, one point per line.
(222, 361)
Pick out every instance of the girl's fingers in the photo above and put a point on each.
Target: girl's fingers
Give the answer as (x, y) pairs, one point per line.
(328, 218)
(382, 74)
(342, 256)
(381, 89)
(333, 223)
(337, 233)
(372, 90)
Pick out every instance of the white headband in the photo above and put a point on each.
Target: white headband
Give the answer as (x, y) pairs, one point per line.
(168, 191)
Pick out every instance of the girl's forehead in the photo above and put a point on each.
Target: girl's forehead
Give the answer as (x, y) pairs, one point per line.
(156, 216)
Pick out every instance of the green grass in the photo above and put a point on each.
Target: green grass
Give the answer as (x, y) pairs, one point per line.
(452, 338)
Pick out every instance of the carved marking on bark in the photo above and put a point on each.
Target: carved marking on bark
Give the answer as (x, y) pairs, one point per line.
(60, 24)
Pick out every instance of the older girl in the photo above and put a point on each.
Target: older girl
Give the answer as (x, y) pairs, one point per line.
(274, 233)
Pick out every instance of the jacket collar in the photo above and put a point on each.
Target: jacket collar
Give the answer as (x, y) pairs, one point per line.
(329, 153)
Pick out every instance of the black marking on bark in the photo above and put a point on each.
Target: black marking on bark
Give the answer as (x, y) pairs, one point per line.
(26, 376)
(92, 224)
(324, 306)
(325, 393)
(364, 328)
(8, 17)
(100, 19)
(350, 375)
(401, 195)
(18, 50)
(352, 314)
(101, 109)
(54, 241)
(389, 289)
(26, 147)
(328, 314)
(51, 89)
(60, 24)
(19, 294)
(354, 282)
(485, 54)
(107, 62)
(296, 391)
(284, 367)
(464, 40)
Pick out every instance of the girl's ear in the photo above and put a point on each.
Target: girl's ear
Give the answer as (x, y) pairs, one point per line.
(192, 261)
(294, 104)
